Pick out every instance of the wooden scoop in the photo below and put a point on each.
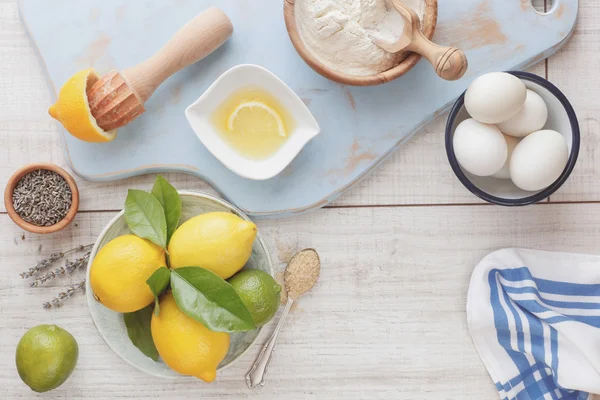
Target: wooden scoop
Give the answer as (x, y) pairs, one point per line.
(118, 97)
(450, 63)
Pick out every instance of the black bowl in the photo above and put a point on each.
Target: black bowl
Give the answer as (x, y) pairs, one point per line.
(561, 118)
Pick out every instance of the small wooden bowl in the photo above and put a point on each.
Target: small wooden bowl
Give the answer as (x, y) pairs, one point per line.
(429, 23)
(12, 213)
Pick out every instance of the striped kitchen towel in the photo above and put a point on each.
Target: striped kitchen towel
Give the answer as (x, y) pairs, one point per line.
(534, 318)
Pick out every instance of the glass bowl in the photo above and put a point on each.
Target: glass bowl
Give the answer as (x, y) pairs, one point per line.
(110, 324)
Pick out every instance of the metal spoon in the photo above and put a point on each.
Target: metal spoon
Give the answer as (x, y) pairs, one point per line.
(301, 274)
(450, 63)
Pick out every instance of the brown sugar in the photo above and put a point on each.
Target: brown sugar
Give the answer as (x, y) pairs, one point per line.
(302, 273)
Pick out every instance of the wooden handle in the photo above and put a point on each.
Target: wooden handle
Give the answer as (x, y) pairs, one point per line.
(196, 40)
(449, 63)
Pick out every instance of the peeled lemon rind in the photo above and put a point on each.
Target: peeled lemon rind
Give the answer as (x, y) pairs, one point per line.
(257, 104)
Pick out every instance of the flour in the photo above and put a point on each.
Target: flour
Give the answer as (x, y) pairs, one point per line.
(338, 33)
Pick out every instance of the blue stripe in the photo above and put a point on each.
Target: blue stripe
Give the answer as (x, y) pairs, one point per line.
(518, 322)
(553, 303)
(554, 287)
(591, 321)
(525, 374)
(567, 288)
(500, 318)
(554, 347)
(556, 320)
(503, 330)
(535, 307)
(501, 324)
(536, 331)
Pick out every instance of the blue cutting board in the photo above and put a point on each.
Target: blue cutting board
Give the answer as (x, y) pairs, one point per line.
(360, 126)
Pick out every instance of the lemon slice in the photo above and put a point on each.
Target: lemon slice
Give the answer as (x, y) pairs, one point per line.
(256, 116)
(73, 110)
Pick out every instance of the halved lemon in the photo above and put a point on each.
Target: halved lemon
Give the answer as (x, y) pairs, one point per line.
(256, 117)
(72, 109)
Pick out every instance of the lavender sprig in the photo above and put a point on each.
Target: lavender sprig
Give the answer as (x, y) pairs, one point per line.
(42, 265)
(68, 269)
(47, 262)
(63, 296)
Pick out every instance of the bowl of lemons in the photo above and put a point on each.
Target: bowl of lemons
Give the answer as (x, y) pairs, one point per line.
(180, 283)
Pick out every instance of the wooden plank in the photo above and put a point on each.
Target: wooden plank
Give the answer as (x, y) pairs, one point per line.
(386, 320)
(572, 70)
(417, 174)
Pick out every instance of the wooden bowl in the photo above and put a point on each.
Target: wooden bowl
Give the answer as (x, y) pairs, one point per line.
(429, 23)
(12, 213)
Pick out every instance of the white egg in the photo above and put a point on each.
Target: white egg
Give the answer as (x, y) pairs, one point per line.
(539, 160)
(531, 118)
(479, 148)
(495, 97)
(504, 173)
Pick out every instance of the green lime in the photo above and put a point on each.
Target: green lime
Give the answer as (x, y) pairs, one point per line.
(259, 293)
(46, 357)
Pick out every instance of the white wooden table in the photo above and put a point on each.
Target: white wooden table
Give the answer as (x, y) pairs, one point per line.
(387, 319)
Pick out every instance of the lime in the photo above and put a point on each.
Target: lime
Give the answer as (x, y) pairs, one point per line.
(259, 293)
(46, 357)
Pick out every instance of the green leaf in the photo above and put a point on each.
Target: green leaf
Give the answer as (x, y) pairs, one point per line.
(145, 217)
(210, 300)
(158, 282)
(170, 201)
(138, 330)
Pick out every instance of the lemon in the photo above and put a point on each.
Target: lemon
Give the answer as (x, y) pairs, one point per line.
(73, 109)
(46, 356)
(256, 116)
(120, 270)
(186, 345)
(218, 241)
(259, 293)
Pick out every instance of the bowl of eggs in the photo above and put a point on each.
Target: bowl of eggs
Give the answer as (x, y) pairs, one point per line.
(512, 138)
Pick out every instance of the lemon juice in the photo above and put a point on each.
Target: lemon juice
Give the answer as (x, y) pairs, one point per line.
(253, 122)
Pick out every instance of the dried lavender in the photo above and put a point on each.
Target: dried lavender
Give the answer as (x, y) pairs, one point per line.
(42, 197)
(47, 262)
(68, 269)
(65, 295)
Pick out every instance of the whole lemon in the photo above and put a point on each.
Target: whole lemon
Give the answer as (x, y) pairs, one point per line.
(218, 241)
(120, 270)
(46, 356)
(186, 345)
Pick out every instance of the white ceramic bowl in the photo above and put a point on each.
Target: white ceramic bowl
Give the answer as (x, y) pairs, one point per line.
(110, 324)
(561, 118)
(239, 77)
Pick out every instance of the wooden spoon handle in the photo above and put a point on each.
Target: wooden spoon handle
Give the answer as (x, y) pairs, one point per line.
(449, 63)
(196, 40)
